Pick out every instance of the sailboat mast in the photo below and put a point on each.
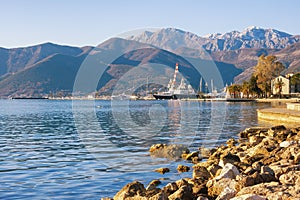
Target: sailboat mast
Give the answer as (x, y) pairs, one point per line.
(147, 85)
(200, 85)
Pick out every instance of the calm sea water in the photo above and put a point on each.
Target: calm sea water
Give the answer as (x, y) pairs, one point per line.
(51, 149)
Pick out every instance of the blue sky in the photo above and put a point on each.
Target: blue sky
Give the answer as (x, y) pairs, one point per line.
(90, 22)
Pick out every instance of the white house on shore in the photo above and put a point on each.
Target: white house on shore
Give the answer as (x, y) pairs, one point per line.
(281, 85)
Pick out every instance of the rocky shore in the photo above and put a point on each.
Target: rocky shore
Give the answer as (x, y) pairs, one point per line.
(264, 163)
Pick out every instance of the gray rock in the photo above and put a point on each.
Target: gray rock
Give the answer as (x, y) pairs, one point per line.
(216, 187)
(228, 171)
(227, 193)
(286, 144)
(249, 197)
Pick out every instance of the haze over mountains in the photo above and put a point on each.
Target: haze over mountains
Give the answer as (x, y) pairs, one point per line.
(51, 68)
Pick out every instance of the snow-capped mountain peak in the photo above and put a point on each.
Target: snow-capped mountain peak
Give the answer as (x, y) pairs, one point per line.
(251, 37)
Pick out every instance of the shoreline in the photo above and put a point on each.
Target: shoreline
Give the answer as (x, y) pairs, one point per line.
(264, 163)
(268, 100)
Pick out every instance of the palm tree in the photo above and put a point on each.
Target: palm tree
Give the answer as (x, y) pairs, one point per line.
(245, 88)
(278, 86)
(235, 89)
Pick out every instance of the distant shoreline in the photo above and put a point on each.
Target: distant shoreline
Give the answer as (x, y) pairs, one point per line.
(269, 100)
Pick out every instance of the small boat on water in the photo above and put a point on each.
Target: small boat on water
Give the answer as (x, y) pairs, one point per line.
(183, 91)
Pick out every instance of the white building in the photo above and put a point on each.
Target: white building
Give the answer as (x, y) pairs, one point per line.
(285, 85)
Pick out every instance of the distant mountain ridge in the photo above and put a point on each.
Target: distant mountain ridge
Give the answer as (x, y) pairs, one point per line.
(51, 68)
(251, 37)
(15, 59)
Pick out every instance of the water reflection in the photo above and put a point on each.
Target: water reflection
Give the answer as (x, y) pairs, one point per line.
(43, 154)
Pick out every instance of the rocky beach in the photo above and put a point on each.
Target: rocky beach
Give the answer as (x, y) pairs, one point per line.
(264, 163)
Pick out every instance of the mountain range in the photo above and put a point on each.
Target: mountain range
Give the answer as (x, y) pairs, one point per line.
(52, 68)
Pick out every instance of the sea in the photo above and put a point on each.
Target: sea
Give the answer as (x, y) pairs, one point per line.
(90, 149)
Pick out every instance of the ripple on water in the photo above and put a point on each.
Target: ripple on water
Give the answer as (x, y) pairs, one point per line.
(42, 156)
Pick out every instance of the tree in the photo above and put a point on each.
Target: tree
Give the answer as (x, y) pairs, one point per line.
(245, 88)
(267, 68)
(295, 82)
(235, 89)
(254, 89)
(278, 86)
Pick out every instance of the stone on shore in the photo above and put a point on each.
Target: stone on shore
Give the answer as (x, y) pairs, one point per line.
(170, 188)
(229, 158)
(131, 190)
(162, 170)
(226, 194)
(192, 155)
(205, 152)
(249, 197)
(290, 178)
(216, 187)
(183, 193)
(228, 171)
(264, 164)
(153, 184)
(172, 152)
(183, 168)
(272, 190)
(200, 172)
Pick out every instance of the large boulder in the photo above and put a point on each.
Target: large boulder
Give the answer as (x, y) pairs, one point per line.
(159, 196)
(272, 190)
(255, 179)
(280, 168)
(200, 172)
(290, 178)
(183, 168)
(249, 197)
(228, 158)
(216, 187)
(226, 194)
(172, 152)
(228, 171)
(133, 189)
(183, 193)
(162, 170)
(252, 131)
(292, 153)
(170, 188)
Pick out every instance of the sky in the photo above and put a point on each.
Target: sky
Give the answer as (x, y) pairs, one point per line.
(90, 22)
